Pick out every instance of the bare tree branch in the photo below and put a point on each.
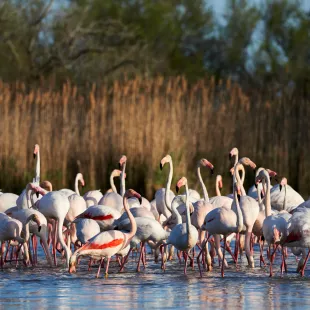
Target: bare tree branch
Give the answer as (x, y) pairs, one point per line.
(43, 14)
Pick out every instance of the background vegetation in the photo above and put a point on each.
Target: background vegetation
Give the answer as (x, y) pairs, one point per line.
(92, 80)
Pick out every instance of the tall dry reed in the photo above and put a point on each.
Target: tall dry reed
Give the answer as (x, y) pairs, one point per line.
(146, 119)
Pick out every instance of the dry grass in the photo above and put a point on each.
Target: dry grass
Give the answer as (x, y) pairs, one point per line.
(146, 119)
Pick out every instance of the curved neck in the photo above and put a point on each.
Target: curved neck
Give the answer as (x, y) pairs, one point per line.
(37, 178)
(188, 216)
(236, 159)
(175, 211)
(237, 177)
(168, 185)
(112, 183)
(122, 189)
(204, 189)
(132, 220)
(76, 185)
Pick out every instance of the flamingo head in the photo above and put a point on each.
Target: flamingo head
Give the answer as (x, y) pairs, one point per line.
(72, 265)
(81, 179)
(206, 163)
(181, 182)
(247, 162)
(166, 159)
(233, 152)
(232, 170)
(271, 173)
(36, 150)
(283, 183)
(132, 193)
(122, 161)
(47, 185)
(36, 219)
(117, 173)
(219, 181)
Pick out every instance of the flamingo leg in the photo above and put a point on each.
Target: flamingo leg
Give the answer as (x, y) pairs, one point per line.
(98, 272)
(185, 255)
(140, 256)
(125, 260)
(107, 268)
(2, 254)
(302, 272)
(261, 247)
(222, 270)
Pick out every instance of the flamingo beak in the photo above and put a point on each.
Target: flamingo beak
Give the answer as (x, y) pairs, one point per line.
(34, 155)
(212, 171)
(229, 156)
(140, 200)
(177, 188)
(37, 194)
(280, 187)
(161, 166)
(39, 228)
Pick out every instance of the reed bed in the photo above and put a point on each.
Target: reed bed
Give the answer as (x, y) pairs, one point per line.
(88, 129)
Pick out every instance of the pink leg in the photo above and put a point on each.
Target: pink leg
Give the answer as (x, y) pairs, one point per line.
(107, 268)
(140, 256)
(185, 255)
(98, 272)
(223, 260)
(125, 260)
(302, 272)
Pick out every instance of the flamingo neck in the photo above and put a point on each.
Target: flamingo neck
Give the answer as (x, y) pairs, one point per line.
(132, 220)
(112, 183)
(238, 179)
(217, 189)
(204, 189)
(37, 177)
(123, 188)
(28, 194)
(267, 199)
(168, 185)
(238, 212)
(284, 201)
(175, 212)
(76, 185)
(260, 200)
(188, 216)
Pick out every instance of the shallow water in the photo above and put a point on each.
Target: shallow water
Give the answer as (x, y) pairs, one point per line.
(42, 287)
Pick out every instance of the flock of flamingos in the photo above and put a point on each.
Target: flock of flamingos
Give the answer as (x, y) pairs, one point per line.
(102, 226)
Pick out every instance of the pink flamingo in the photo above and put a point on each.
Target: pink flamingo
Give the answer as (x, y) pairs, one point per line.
(107, 243)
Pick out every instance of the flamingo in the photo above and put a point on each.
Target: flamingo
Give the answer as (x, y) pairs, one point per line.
(293, 199)
(113, 199)
(183, 236)
(36, 154)
(164, 196)
(252, 192)
(10, 229)
(218, 185)
(103, 215)
(224, 220)
(273, 225)
(7, 201)
(298, 233)
(92, 197)
(86, 229)
(107, 243)
(55, 205)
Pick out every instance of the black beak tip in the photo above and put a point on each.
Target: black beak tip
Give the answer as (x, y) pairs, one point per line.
(34, 155)
(119, 166)
(161, 166)
(177, 189)
(280, 187)
(39, 228)
(256, 185)
(37, 194)
(238, 196)
(140, 200)
(212, 171)
(229, 156)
